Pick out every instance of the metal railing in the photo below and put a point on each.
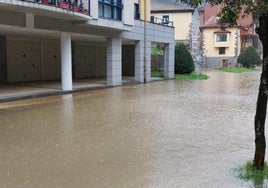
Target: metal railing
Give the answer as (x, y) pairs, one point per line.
(72, 5)
(161, 21)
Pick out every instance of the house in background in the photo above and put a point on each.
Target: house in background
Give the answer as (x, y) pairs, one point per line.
(177, 16)
(59, 40)
(221, 45)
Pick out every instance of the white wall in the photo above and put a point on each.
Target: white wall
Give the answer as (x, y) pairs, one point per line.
(94, 9)
(128, 12)
(90, 60)
(51, 60)
(23, 60)
(101, 59)
(85, 61)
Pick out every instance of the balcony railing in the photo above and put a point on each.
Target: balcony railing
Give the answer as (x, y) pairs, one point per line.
(72, 5)
(161, 21)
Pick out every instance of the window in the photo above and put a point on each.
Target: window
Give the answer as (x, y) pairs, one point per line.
(221, 37)
(110, 9)
(165, 19)
(246, 39)
(221, 50)
(137, 11)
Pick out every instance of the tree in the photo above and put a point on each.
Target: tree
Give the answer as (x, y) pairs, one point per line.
(184, 63)
(249, 57)
(231, 11)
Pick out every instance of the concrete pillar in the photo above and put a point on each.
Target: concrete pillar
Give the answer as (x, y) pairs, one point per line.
(169, 61)
(139, 69)
(66, 62)
(141, 63)
(114, 61)
(148, 62)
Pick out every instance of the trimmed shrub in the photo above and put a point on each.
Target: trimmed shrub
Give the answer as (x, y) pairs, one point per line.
(184, 63)
(249, 57)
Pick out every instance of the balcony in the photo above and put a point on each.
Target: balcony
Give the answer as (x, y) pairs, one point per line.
(76, 6)
(66, 10)
(162, 21)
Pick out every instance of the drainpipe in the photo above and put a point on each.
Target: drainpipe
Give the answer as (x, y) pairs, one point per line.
(144, 40)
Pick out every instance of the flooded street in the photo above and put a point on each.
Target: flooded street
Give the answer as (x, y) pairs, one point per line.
(175, 133)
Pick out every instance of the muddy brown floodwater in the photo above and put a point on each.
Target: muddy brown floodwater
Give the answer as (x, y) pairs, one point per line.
(175, 133)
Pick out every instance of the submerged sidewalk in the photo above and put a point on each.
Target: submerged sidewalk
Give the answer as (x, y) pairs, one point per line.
(26, 90)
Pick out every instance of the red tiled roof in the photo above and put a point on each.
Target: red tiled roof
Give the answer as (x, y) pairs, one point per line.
(245, 33)
(208, 18)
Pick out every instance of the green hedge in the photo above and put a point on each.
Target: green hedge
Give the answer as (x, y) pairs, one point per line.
(184, 63)
(249, 57)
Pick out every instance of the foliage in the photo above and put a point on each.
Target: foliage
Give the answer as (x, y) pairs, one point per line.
(247, 172)
(249, 57)
(234, 69)
(184, 63)
(157, 74)
(156, 51)
(192, 76)
(233, 9)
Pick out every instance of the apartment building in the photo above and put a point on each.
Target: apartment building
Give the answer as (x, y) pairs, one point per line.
(66, 40)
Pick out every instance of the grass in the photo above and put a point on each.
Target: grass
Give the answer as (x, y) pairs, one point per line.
(192, 76)
(234, 69)
(247, 173)
(157, 74)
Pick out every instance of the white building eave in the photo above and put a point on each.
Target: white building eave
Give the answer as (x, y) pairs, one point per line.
(112, 24)
(43, 10)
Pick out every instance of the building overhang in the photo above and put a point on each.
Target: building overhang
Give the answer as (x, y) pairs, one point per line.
(109, 24)
(222, 31)
(43, 10)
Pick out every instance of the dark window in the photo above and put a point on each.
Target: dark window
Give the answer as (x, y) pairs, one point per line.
(137, 11)
(165, 19)
(111, 9)
(221, 37)
(221, 50)
(246, 39)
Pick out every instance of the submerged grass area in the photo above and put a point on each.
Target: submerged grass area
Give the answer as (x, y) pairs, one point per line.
(157, 74)
(248, 173)
(234, 69)
(192, 76)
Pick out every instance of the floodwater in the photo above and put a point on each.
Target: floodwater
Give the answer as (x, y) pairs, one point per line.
(166, 134)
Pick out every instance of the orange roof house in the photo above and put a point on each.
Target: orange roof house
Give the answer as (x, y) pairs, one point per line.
(221, 44)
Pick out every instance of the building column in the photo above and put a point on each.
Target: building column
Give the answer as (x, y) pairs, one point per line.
(147, 65)
(169, 61)
(139, 68)
(66, 62)
(114, 61)
(142, 62)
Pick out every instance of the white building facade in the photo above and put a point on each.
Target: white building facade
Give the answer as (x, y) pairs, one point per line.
(66, 40)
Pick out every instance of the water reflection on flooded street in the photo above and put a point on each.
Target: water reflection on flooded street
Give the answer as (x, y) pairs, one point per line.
(164, 134)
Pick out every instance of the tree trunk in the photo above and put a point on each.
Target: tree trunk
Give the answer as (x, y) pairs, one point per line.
(259, 127)
(260, 116)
